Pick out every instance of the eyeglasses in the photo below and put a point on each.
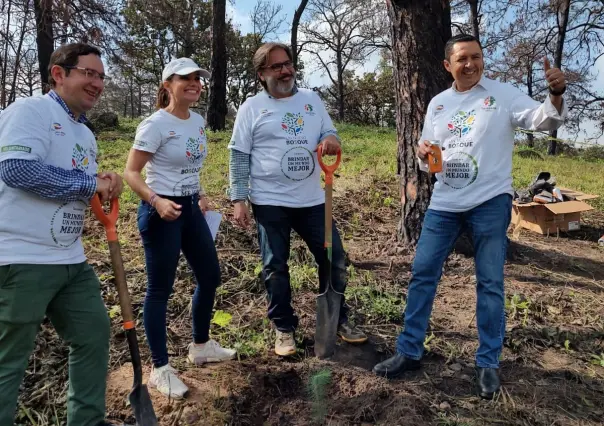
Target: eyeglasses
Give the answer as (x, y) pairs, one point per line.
(279, 66)
(89, 73)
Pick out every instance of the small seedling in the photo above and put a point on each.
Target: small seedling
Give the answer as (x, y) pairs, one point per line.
(567, 345)
(518, 305)
(318, 384)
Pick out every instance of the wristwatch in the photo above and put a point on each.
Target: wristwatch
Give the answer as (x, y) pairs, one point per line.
(555, 93)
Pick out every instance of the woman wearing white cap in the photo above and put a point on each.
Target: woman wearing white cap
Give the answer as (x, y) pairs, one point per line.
(171, 143)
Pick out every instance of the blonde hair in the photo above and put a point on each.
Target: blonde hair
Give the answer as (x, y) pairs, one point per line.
(261, 56)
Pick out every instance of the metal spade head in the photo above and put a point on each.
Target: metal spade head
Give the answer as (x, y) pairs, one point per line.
(140, 400)
(328, 314)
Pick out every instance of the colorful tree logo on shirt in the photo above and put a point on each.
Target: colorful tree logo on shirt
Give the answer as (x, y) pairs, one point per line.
(489, 104)
(293, 124)
(79, 159)
(461, 123)
(202, 132)
(489, 101)
(308, 108)
(193, 151)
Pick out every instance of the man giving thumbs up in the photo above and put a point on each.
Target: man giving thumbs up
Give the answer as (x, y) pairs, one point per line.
(474, 121)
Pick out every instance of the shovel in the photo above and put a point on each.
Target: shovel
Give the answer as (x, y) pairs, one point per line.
(139, 396)
(329, 300)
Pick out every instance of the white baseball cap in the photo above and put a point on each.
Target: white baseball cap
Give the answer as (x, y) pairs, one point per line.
(183, 66)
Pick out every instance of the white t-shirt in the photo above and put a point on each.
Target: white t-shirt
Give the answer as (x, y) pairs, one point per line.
(281, 136)
(33, 229)
(476, 128)
(179, 148)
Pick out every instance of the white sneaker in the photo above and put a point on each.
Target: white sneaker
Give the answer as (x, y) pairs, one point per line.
(285, 344)
(211, 351)
(165, 380)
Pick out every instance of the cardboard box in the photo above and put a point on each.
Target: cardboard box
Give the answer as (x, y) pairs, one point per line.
(551, 218)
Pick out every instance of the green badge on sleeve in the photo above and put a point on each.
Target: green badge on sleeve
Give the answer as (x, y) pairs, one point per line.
(19, 148)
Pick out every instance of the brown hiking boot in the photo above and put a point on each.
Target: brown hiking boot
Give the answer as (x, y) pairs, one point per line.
(351, 334)
(285, 344)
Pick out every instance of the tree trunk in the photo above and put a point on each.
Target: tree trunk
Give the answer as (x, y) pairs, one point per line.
(66, 19)
(131, 90)
(295, 23)
(188, 48)
(140, 99)
(340, 86)
(529, 84)
(3, 73)
(18, 69)
(44, 39)
(256, 86)
(474, 18)
(420, 29)
(217, 109)
(562, 12)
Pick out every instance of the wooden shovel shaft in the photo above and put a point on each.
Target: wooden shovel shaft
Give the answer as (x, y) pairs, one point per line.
(328, 234)
(109, 221)
(328, 220)
(120, 283)
(329, 171)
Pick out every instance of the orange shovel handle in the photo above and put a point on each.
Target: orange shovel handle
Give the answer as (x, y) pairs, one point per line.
(328, 169)
(108, 220)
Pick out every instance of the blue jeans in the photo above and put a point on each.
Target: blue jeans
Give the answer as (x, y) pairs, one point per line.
(163, 241)
(274, 227)
(488, 224)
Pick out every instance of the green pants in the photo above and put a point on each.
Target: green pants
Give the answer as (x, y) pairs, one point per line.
(70, 296)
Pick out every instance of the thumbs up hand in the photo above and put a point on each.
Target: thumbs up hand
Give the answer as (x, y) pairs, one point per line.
(555, 78)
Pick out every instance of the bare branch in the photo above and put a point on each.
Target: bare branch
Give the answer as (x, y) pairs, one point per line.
(340, 34)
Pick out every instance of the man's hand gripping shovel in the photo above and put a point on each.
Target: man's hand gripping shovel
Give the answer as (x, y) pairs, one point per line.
(329, 300)
(139, 396)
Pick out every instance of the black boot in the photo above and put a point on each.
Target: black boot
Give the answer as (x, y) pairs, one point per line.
(487, 382)
(395, 366)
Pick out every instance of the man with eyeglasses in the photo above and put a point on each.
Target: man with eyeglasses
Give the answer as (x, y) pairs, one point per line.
(48, 174)
(273, 163)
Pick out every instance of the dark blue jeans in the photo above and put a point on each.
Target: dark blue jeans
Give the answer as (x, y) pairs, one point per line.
(274, 228)
(488, 224)
(163, 242)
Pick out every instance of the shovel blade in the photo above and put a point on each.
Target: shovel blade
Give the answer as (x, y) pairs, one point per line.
(140, 400)
(328, 314)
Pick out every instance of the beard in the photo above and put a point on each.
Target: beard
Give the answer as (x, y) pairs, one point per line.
(279, 86)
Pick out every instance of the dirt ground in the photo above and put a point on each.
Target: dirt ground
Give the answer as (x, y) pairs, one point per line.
(552, 368)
